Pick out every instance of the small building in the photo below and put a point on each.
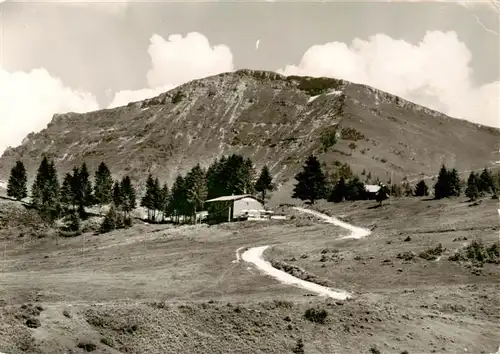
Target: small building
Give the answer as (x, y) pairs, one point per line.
(371, 190)
(233, 207)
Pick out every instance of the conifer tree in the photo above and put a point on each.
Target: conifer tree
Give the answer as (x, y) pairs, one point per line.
(311, 182)
(45, 190)
(486, 183)
(455, 184)
(165, 197)
(421, 189)
(195, 185)
(472, 190)
(117, 196)
(16, 187)
(103, 185)
(128, 194)
(85, 185)
(148, 200)
(264, 183)
(442, 186)
(67, 197)
(177, 203)
(339, 192)
(355, 189)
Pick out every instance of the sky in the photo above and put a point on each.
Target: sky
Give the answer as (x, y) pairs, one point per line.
(60, 56)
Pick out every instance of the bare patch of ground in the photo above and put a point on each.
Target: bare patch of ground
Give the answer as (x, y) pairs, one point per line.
(159, 288)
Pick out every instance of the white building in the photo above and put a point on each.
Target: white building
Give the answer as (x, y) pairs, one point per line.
(231, 207)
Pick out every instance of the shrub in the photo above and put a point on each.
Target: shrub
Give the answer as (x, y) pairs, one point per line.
(299, 347)
(177, 97)
(328, 139)
(108, 341)
(316, 315)
(314, 86)
(351, 134)
(374, 350)
(406, 256)
(477, 252)
(352, 146)
(87, 346)
(431, 254)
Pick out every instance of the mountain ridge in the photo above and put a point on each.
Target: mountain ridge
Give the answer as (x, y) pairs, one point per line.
(271, 118)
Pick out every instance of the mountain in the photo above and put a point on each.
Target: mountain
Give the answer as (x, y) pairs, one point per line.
(273, 119)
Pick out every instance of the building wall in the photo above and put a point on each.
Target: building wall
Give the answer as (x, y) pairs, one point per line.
(245, 204)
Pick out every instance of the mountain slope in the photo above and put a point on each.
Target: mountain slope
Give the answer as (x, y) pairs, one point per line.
(273, 119)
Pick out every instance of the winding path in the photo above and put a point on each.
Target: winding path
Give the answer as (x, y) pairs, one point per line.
(254, 255)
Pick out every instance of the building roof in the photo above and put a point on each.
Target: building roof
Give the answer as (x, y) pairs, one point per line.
(372, 188)
(227, 198)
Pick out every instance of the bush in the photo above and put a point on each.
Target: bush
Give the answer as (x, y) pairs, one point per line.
(315, 85)
(352, 146)
(328, 139)
(406, 256)
(299, 347)
(316, 315)
(351, 134)
(111, 221)
(87, 346)
(477, 252)
(432, 253)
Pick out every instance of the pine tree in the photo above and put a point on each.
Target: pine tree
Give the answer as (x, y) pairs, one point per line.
(455, 184)
(157, 198)
(264, 183)
(407, 189)
(339, 191)
(177, 204)
(442, 186)
(421, 189)
(472, 190)
(195, 185)
(103, 185)
(148, 200)
(67, 197)
(117, 196)
(355, 189)
(128, 193)
(486, 183)
(85, 194)
(311, 181)
(165, 197)
(45, 190)
(16, 187)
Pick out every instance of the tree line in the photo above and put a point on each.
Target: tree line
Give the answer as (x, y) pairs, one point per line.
(227, 175)
(313, 184)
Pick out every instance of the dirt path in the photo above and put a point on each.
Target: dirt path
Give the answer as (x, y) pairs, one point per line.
(254, 255)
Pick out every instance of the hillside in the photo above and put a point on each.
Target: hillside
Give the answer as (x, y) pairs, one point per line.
(273, 119)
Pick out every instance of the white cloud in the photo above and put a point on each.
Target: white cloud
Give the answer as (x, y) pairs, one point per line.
(435, 72)
(29, 100)
(176, 61)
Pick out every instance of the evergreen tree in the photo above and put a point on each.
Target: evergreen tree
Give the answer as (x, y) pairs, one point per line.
(264, 183)
(177, 204)
(16, 187)
(455, 183)
(355, 189)
(311, 183)
(110, 221)
(486, 183)
(165, 197)
(45, 190)
(103, 185)
(117, 196)
(195, 186)
(442, 186)
(339, 192)
(128, 194)
(396, 190)
(472, 190)
(67, 197)
(230, 175)
(407, 189)
(86, 196)
(421, 189)
(148, 200)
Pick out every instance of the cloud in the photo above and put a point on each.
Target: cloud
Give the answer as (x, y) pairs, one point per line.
(435, 72)
(176, 61)
(28, 100)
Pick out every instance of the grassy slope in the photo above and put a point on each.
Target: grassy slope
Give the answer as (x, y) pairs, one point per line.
(148, 289)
